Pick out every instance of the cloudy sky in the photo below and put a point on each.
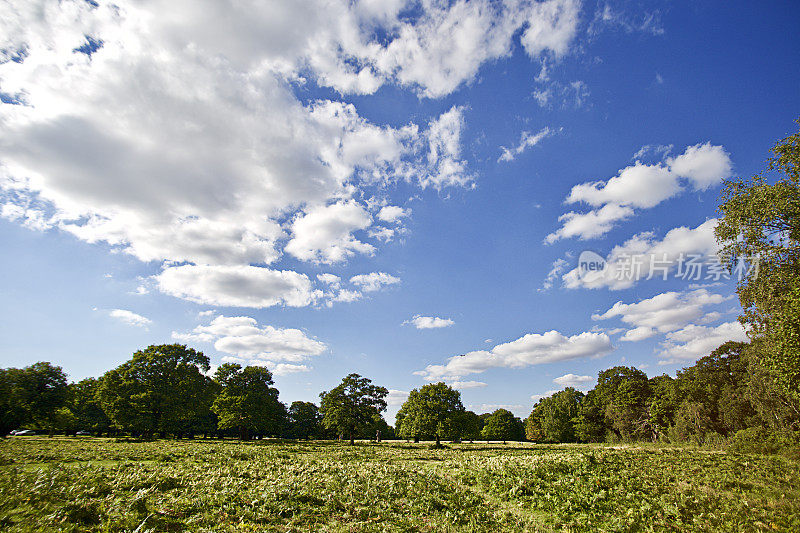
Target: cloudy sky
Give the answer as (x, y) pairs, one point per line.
(401, 189)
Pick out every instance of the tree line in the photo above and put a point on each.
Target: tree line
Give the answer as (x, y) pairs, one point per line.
(748, 392)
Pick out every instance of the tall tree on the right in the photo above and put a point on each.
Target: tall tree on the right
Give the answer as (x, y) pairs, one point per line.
(760, 217)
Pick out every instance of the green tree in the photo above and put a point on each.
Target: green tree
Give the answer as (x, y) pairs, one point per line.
(469, 425)
(161, 389)
(431, 412)
(662, 405)
(352, 405)
(502, 425)
(13, 410)
(44, 393)
(553, 418)
(304, 420)
(762, 219)
(718, 382)
(616, 406)
(247, 402)
(84, 403)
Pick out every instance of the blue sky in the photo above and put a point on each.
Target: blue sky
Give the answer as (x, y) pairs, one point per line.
(399, 189)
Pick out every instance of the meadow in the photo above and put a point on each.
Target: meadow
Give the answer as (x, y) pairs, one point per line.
(91, 484)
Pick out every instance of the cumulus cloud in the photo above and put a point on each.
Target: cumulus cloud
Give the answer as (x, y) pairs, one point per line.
(396, 397)
(461, 385)
(429, 322)
(374, 281)
(237, 286)
(325, 233)
(526, 141)
(643, 256)
(245, 340)
(640, 186)
(595, 223)
(530, 349)
(171, 129)
(573, 380)
(129, 317)
(392, 213)
(703, 164)
(692, 342)
(662, 313)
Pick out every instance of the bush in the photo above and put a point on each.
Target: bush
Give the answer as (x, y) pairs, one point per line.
(761, 441)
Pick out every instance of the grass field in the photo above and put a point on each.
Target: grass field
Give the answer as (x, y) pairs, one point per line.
(102, 485)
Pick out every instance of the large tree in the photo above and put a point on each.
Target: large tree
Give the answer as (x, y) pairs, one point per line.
(760, 218)
(84, 403)
(617, 405)
(247, 402)
(432, 412)
(161, 389)
(13, 410)
(304, 420)
(503, 425)
(553, 418)
(352, 405)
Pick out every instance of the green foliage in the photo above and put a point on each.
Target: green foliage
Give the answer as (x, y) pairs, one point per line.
(161, 389)
(352, 405)
(31, 396)
(761, 441)
(503, 425)
(431, 412)
(247, 402)
(84, 404)
(662, 405)
(94, 485)
(305, 421)
(762, 219)
(553, 418)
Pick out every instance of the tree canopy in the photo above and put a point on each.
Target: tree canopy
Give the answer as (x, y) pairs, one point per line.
(432, 411)
(352, 405)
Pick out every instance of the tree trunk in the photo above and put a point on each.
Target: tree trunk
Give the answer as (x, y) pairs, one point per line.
(437, 440)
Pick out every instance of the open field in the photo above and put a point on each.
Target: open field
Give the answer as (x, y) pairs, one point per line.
(102, 485)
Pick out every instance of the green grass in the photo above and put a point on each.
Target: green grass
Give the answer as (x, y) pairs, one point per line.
(103, 485)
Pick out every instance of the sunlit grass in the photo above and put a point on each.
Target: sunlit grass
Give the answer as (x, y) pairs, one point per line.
(103, 485)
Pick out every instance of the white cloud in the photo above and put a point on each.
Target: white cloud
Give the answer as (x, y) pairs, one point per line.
(461, 385)
(429, 322)
(644, 256)
(662, 313)
(396, 397)
(526, 141)
(444, 164)
(573, 380)
(180, 138)
(237, 286)
(692, 342)
(639, 333)
(374, 281)
(705, 165)
(129, 317)
(640, 186)
(555, 273)
(636, 186)
(392, 213)
(481, 408)
(595, 223)
(530, 349)
(244, 339)
(324, 234)
(329, 279)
